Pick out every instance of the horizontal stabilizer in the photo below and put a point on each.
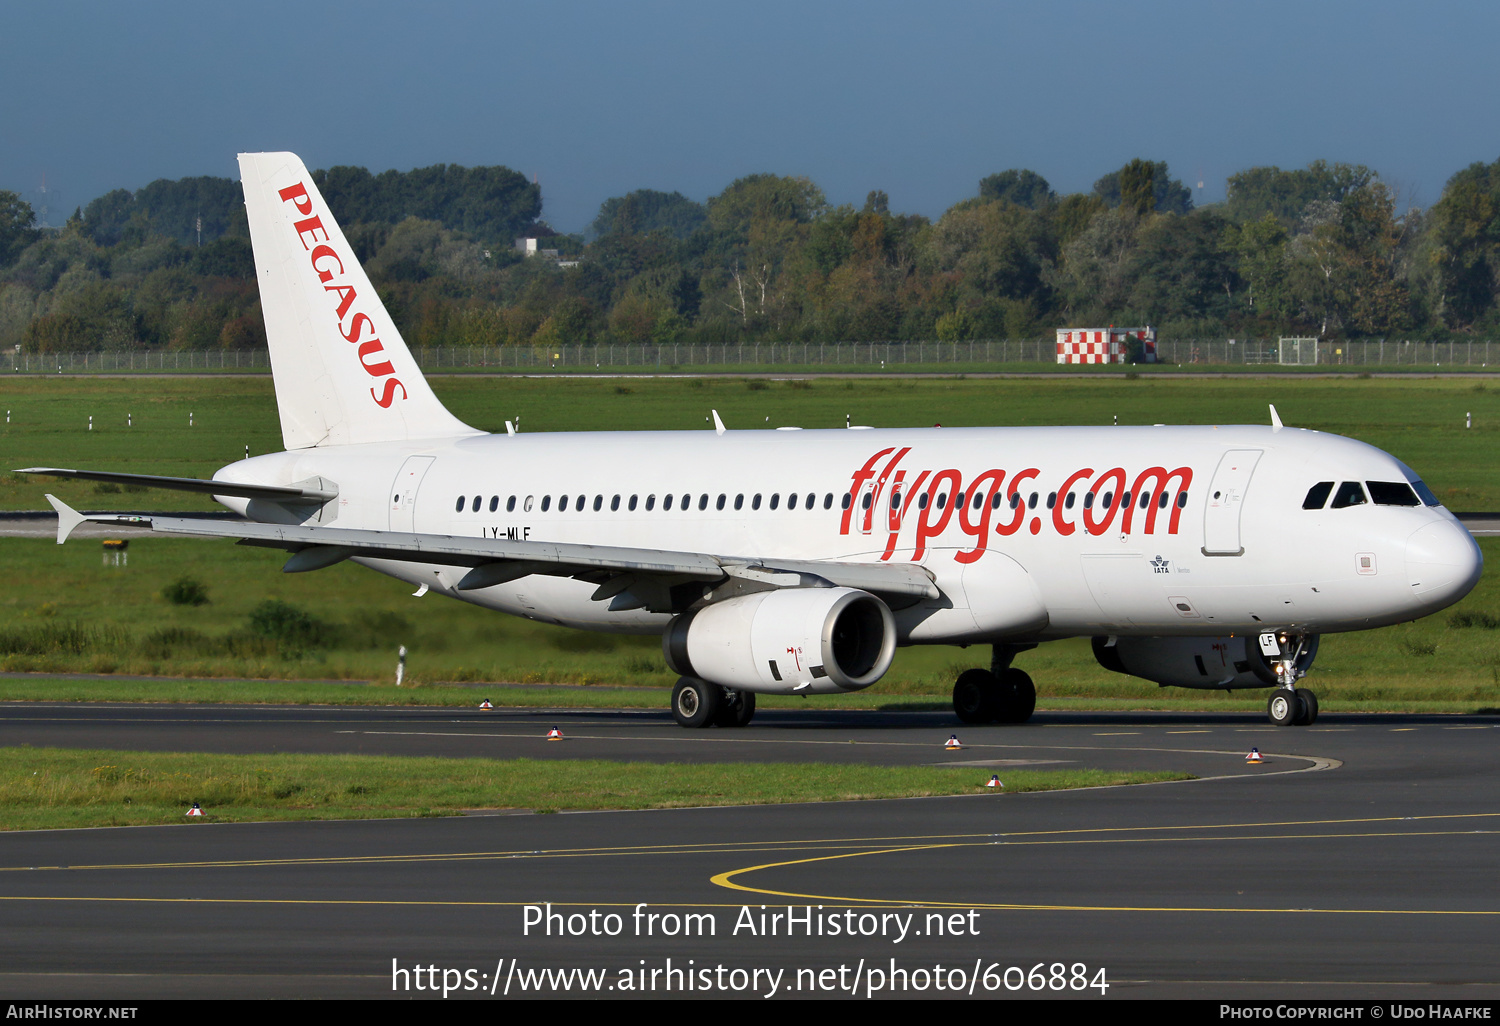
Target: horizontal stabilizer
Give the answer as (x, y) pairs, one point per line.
(271, 493)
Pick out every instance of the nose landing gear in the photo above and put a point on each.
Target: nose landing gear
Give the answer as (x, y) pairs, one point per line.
(1287, 656)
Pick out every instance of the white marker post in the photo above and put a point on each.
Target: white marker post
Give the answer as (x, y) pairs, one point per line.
(400, 665)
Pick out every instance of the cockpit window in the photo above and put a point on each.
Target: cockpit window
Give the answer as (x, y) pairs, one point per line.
(1424, 493)
(1349, 494)
(1392, 493)
(1317, 495)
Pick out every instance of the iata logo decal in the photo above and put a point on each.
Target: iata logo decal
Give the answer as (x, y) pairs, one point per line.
(329, 267)
(1161, 566)
(883, 494)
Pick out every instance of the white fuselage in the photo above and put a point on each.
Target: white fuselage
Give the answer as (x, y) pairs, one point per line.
(1215, 539)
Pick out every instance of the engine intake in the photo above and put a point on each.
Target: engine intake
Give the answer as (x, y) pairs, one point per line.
(808, 640)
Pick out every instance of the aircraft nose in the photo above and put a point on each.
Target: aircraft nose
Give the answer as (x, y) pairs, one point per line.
(1443, 563)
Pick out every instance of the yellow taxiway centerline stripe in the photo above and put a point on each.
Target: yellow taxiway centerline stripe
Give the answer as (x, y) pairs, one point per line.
(711, 847)
(870, 903)
(726, 880)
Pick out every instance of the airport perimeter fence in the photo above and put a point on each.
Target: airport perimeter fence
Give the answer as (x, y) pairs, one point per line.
(831, 356)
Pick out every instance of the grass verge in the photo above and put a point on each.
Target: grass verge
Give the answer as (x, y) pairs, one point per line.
(46, 788)
(293, 692)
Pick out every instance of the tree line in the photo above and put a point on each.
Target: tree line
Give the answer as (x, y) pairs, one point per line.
(1326, 250)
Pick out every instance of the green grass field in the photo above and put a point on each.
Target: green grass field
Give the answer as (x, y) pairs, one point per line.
(1420, 420)
(63, 611)
(49, 788)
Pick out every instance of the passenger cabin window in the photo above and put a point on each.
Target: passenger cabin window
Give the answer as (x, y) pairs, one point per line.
(1392, 493)
(1051, 500)
(864, 503)
(719, 503)
(510, 504)
(578, 503)
(1015, 499)
(1068, 502)
(1349, 494)
(895, 500)
(739, 502)
(459, 507)
(528, 503)
(598, 503)
(651, 502)
(1125, 500)
(546, 503)
(755, 502)
(494, 503)
(942, 501)
(703, 501)
(687, 500)
(666, 502)
(845, 501)
(1031, 502)
(1317, 495)
(1162, 500)
(477, 500)
(775, 499)
(828, 501)
(614, 504)
(1182, 500)
(632, 503)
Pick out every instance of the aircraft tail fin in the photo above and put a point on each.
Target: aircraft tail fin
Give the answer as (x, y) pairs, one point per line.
(342, 372)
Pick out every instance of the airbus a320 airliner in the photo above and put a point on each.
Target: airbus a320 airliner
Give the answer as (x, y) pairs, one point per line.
(795, 562)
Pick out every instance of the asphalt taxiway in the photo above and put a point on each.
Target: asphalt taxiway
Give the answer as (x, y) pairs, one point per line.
(1358, 860)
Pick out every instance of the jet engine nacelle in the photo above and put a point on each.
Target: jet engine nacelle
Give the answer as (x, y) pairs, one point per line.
(1198, 662)
(807, 640)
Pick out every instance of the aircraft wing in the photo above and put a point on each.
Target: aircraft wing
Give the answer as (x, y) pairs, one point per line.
(493, 561)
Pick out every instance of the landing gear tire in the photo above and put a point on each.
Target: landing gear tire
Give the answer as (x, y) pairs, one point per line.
(1309, 708)
(1018, 693)
(976, 696)
(696, 703)
(1284, 707)
(736, 709)
(980, 696)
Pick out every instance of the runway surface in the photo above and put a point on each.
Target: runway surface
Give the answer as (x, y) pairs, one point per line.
(1358, 861)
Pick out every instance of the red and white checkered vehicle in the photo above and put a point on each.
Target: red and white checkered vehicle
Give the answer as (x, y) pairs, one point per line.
(1103, 345)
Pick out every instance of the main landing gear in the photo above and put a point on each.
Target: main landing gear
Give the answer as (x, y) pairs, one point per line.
(1001, 694)
(1289, 656)
(697, 703)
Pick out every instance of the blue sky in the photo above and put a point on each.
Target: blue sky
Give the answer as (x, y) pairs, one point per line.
(600, 98)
